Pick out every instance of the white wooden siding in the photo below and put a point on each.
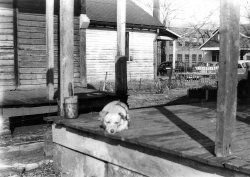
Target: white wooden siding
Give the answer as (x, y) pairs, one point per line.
(101, 53)
(142, 51)
(7, 76)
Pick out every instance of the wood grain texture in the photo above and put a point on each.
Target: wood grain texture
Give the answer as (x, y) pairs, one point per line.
(50, 48)
(7, 76)
(185, 131)
(32, 48)
(227, 77)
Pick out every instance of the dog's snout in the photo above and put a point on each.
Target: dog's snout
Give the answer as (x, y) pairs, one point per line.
(112, 131)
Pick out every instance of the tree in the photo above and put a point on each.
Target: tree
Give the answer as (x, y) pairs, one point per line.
(205, 27)
(169, 11)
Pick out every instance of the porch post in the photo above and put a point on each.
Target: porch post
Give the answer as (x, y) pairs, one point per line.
(66, 51)
(121, 60)
(84, 23)
(227, 77)
(174, 54)
(50, 48)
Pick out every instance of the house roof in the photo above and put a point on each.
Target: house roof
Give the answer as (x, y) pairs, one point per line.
(104, 11)
(213, 42)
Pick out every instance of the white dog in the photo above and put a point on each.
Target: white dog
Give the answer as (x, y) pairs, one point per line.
(114, 117)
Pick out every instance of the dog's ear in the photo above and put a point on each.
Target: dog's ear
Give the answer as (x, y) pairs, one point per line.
(122, 116)
(103, 126)
(102, 114)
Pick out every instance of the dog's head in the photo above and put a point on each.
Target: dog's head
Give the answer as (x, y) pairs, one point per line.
(111, 121)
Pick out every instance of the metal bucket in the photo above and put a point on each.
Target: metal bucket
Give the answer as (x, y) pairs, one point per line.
(71, 107)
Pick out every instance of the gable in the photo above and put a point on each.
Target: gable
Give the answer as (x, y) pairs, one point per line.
(213, 42)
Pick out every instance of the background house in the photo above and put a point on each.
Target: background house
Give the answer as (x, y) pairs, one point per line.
(211, 47)
(187, 47)
(23, 58)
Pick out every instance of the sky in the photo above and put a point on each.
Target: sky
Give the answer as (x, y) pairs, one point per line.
(193, 11)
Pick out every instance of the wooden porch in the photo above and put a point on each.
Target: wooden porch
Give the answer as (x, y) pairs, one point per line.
(161, 141)
(21, 105)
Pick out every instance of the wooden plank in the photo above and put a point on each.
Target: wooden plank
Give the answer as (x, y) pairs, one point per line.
(7, 69)
(7, 63)
(66, 51)
(50, 48)
(6, 37)
(6, 1)
(6, 31)
(227, 77)
(7, 82)
(6, 12)
(7, 76)
(6, 19)
(7, 57)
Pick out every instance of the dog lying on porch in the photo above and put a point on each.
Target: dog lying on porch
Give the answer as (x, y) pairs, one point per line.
(114, 117)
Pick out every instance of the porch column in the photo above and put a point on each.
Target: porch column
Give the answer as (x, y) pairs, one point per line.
(84, 23)
(227, 77)
(121, 59)
(50, 48)
(66, 51)
(174, 53)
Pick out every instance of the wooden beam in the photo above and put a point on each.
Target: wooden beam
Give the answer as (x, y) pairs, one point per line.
(83, 66)
(66, 51)
(227, 77)
(121, 60)
(50, 48)
(15, 41)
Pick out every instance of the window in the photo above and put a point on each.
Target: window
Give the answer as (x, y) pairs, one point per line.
(170, 57)
(194, 58)
(179, 57)
(170, 43)
(186, 58)
(199, 58)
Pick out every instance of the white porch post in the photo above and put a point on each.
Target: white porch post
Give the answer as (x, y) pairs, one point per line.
(174, 53)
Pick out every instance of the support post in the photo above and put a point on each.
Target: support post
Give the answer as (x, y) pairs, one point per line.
(227, 77)
(15, 35)
(82, 31)
(66, 51)
(121, 60)
(50, 48)
(174, 54)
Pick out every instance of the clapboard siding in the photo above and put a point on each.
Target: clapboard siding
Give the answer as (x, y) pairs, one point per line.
(32, 50)
(141, 49)
(101, 52)
(7, 77)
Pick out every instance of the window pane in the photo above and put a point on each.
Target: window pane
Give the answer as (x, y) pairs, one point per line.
(170, 57)
(194, 58)
(179, 57)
